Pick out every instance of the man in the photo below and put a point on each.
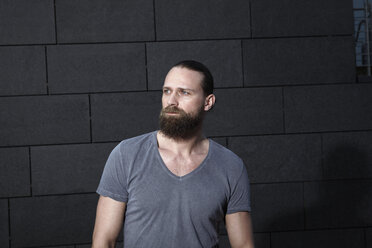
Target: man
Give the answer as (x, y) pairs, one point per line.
(174, 186)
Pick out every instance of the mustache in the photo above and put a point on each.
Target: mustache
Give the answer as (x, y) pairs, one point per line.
(172, 109)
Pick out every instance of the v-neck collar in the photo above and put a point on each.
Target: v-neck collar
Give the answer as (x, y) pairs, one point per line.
(163, 165)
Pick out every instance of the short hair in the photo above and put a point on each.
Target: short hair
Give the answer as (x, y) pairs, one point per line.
(207, 83)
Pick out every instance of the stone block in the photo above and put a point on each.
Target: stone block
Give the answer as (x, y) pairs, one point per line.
(4, 223)
(96, 68)
(328, 108)
(338, 204)
(277, 207)
(346, 238)
(245, 112)
(52, 220)
(67, 169)
(64, 246)
(22, 70)
(280, 158)
(223, 59)
(104, 21)
(44, 120)
(347, 155)
(262, 240)
(27, 22)
(186, 20)
(15, 172)
(272, 18)
(295, 61)
(368, 232)
(119, 116)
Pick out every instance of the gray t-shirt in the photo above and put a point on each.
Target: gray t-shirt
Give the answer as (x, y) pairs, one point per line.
(164, 210)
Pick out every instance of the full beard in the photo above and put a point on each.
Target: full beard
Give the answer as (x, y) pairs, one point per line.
(182, 126)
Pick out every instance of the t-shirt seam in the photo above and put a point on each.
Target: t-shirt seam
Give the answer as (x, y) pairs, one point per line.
(240, 208)
(122, 166)
(237, 181)
(111, 193)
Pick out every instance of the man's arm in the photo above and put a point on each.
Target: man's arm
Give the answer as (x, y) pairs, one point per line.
(239, 230)
(109, 221)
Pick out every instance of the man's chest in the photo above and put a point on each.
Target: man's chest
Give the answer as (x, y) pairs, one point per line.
(159, 192)
(181, 166)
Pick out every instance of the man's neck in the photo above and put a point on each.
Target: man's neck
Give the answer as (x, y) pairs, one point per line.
(182, 146)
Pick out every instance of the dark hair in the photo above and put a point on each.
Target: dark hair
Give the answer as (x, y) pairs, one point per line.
(207, 83)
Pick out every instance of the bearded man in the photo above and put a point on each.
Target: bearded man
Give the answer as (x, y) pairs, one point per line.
(172, 187)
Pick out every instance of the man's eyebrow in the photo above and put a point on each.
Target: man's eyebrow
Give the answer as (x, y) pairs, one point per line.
(186, 89)
(179, 88)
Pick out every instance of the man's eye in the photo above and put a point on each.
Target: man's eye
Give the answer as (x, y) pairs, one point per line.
(166, 91)
(185, 92)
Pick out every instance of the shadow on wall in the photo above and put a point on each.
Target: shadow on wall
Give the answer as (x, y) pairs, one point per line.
(336, 204)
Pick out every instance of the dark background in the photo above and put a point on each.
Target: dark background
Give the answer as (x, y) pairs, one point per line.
(78, 76)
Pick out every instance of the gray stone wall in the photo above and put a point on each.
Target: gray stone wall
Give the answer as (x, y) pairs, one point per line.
(78, 76)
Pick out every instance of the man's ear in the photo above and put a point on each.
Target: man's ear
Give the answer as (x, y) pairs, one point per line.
(209, 102)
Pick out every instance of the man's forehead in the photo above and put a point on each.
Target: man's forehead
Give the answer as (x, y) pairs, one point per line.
(180, 77)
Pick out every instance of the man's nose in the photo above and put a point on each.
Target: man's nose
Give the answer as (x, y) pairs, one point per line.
(172, 100)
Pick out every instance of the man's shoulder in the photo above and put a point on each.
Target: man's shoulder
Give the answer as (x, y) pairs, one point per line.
(223, 151)
(138, 139)
(225, 155)
(137, 142)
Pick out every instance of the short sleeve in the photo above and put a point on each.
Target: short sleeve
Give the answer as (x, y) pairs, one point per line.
(240, 195)
(113, 182)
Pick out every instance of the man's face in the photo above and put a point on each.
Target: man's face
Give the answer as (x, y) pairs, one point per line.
(182, 103)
